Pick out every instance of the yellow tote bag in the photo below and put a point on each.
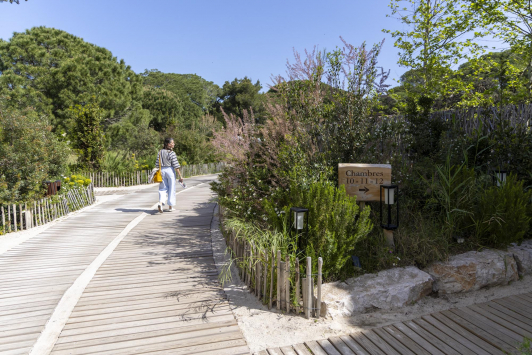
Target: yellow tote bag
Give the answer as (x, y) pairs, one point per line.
(158, 176)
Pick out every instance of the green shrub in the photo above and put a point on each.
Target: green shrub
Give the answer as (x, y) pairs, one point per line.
(335, 224)
(29, 154)
(503, 213)
(525, 348)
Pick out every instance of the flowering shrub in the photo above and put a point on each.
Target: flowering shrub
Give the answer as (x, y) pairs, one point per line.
(75, 181)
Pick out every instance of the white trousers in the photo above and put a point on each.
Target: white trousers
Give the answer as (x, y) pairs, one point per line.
(167, 186)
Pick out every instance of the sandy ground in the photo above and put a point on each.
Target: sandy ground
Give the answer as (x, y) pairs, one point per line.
(265, 328)
(10, 240)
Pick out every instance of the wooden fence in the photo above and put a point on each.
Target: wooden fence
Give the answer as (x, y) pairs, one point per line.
(27, 215)
(474, 119)
(110, 179)
(274, 279)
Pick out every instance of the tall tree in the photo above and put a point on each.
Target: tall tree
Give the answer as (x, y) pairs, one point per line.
(440, 34)
(58, 70)
(196, 94)
(165, 107)
(240, 95)
(510, 21)
(88, 137)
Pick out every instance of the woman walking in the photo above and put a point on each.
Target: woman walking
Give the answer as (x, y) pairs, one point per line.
(168, 163)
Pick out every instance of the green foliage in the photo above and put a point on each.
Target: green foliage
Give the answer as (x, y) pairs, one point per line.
(438, 35)
(426, 132)
(74, 182)
(196, 94)
(88, 137)
(454, 191)
(240, 95)
(503, 213)
(56, 70)
(164, 106)
(133, 133)
(123, 161)
(335, 222)
(525, 348)
(29, 154)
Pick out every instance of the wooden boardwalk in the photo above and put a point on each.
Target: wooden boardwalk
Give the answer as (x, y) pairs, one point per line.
(491, 328)
(157, 293)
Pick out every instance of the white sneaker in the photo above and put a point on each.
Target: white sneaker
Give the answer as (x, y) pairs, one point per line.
(160, 207)
(171, 209)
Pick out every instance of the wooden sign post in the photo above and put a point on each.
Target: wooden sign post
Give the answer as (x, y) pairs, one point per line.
(364, 181)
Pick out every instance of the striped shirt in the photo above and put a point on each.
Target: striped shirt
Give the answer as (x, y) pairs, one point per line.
(168, 158)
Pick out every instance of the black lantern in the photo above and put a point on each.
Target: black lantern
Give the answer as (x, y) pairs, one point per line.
(499, 177)
(299, 223)
(389, 198)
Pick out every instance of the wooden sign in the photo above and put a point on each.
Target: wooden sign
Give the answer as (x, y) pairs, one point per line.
(364, 180)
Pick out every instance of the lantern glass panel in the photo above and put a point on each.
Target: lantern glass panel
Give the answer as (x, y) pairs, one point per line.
(299, 219)
(389, 196)
(501, 178)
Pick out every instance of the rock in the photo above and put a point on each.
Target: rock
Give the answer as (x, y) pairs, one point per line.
(523, 257)
(472, 271)
(389, 289)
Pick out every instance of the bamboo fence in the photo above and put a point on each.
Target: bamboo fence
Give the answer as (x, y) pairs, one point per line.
(27, 215)
(276, 280)
(141, 177)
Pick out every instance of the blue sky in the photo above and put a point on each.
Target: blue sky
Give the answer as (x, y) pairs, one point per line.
(218, 40)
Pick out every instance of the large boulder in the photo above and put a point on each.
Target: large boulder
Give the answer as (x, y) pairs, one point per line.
(389, 289)
(523, 257)
(473, 270)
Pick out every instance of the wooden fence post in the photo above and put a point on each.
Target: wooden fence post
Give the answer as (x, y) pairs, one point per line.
(265, 275)
(318, 301)
(278, 277)
(3, 220)
(281, 281)
(272, 262)
(287, 286)
(309, 288)
(9, 217)
(15, 216)
(297, 285)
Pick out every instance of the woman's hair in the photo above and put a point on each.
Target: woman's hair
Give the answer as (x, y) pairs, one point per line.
(167, 141)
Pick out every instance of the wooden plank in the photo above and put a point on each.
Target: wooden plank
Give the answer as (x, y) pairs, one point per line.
(476, 330)
(377, 340)
(511, 314)
(315, 348)
(504, 321)
(400, 348)
(522, 302)
(301, 349)
(418, 339)
(288, 350)
(464, 337)
(328, 347)
(438, 338)
(406, 341)
(366, 344)
(275, 351)
(488, 325)
(153, 344)
(342, 347)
